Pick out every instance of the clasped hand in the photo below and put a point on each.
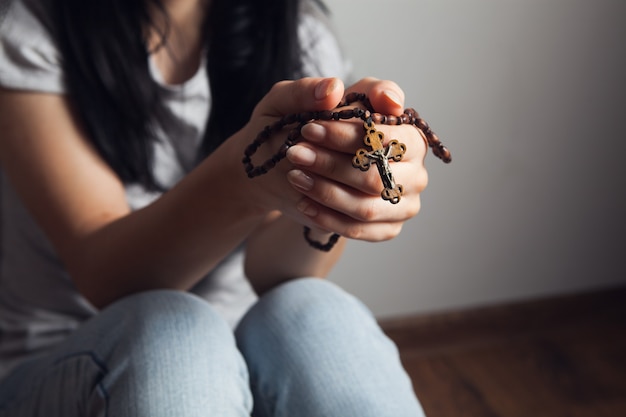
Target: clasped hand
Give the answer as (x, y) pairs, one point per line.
(317, 185)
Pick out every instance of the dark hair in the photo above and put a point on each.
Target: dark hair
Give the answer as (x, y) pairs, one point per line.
(251, 45)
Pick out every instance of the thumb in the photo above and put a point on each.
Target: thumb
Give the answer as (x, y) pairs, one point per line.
(385, 96)
(306, 94)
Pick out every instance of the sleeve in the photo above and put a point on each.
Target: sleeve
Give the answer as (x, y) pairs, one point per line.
(29, 59)
(323, 54)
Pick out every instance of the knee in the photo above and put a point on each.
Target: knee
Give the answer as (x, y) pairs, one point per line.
(304, 297)
(154, 323)
(302, 308)
(164, 341)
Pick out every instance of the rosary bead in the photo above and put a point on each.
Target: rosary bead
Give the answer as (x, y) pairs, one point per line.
(377, 118)
(282, 151)
(352, 97)
(422, 125)
(293, 136)
(292, 118)
(251, 149)
(411, 112)
(269, 164)
(442, 152)
(264, 134)
(306, 116)
(325, 115)
(277, 125)
(345, 114)
(324, 247)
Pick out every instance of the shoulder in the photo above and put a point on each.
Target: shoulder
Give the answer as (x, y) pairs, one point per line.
(29, 58)
(322, 51)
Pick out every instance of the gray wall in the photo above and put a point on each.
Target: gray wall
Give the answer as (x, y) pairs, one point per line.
(530, 97)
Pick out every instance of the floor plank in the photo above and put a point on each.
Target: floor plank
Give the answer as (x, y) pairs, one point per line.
(563, 356)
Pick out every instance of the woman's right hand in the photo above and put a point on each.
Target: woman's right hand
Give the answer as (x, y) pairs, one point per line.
(272, 191)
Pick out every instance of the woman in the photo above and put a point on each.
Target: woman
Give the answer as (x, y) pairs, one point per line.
(133, 240)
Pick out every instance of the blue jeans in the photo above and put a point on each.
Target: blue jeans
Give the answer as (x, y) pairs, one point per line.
(306, 348)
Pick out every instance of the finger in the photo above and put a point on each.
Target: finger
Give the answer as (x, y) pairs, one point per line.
(385, 96)
(336, 166)
(306, 94)
(341, 136)
(321, 217)
(350, 201)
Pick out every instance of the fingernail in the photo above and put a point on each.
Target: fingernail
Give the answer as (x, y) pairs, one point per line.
(305, 207)
(314, 132)
(393, 96)
(325, 87)
(301, 155)
(300, 180)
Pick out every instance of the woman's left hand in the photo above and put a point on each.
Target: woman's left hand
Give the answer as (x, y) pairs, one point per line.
(336, 197)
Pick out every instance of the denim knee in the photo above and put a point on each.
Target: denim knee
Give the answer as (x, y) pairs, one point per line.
(158, 353)
(162, 319)
(304, 300)
(312, 349)
(176, 342)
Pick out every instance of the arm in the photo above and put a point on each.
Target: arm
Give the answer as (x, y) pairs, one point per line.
(80, 203)
(277, 252)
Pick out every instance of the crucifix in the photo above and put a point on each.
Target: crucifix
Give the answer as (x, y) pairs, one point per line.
(380, 156)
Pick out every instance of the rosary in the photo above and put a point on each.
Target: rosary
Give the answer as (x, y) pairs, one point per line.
(377, 154)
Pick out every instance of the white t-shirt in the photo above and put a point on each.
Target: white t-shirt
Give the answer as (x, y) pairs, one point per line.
(39, 305)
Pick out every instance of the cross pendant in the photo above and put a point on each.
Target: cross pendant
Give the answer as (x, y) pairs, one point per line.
(380, 156)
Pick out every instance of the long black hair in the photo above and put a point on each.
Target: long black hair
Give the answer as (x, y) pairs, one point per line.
(251, 45)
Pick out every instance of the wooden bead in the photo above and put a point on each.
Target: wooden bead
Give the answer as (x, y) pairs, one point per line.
(307, 116)
(282, 151)
(269, 164)
(346, 114)
(422, 125)
(278, 125)
(359, 113)
(325, 115)
(377, 118)
(290, 119)
(353, 97)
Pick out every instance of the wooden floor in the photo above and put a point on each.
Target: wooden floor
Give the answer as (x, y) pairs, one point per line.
(560, 357)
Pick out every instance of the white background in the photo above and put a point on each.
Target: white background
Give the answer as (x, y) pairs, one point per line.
(530, 98)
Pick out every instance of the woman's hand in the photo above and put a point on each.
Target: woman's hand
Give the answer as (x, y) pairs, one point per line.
(337, 197)
(272, 191)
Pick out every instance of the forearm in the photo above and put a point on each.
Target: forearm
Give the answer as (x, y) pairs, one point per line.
(277, 252)
(171, 243)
